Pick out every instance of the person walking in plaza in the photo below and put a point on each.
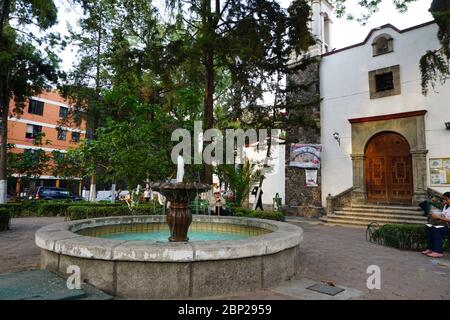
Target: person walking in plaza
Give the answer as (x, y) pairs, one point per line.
(258, 198)
(435, 233)
(147, 194)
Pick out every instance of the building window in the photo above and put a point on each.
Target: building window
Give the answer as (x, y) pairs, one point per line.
(36, 107)
(75, 136)
(32, 131)
(384, 82)
(62, 134)
(63, 112)
(382, 44)
(77, 116)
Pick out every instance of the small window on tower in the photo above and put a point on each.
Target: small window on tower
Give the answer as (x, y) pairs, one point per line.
(382, 44)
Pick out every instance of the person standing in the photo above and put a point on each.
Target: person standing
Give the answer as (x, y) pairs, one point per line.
(147, 194)
(258, 198)
(217, 204)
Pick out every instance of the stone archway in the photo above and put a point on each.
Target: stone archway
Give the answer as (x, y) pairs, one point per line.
(388, 169)
(411, 126)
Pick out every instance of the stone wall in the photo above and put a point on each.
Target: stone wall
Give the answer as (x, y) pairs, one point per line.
(304, 127)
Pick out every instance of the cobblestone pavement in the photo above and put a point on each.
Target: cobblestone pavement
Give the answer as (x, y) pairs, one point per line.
(17, 249)
(342, 255)
(328, 253)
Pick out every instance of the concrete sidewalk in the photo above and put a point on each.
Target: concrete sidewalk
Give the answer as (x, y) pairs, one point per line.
(329, 253)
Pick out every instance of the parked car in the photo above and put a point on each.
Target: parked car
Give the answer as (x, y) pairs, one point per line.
(52, 193)
(9, 198)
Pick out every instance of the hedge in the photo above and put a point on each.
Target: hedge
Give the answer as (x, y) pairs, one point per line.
(47, 208)
(403, 236)
(87, 212)
(5, 217)
(270, 215)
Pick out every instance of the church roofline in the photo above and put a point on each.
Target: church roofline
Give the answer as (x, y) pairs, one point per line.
(388, 25)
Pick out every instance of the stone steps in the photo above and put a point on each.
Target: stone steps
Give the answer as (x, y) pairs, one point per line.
(376, 215)
(363, 215)
(388, 206)
(382, 211)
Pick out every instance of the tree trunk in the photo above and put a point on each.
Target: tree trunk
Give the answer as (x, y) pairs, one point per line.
(113, 192)
(4, 16)
(4, 101)
(93, 189)
(4, 138)
(92, 118)
(209, 107)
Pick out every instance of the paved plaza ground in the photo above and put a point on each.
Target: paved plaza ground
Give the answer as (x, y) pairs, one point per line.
(329, 253)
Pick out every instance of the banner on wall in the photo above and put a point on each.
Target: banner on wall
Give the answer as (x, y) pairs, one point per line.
(305, 155)
(311, 177)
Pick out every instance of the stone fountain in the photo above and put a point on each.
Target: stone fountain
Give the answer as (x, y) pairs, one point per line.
(179, 194)
(266, 255)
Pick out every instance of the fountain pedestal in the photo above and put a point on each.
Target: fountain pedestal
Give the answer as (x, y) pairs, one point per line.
(179, 217)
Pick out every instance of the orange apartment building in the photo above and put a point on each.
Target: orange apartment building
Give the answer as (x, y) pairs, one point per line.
(44, 113)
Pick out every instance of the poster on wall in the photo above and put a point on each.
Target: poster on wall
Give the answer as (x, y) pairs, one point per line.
(305, 155)
(311, 177)
(440, 171)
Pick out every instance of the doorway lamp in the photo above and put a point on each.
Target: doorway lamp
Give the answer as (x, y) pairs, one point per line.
(337, 137)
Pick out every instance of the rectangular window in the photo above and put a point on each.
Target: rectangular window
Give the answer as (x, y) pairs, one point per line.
(77, 116)
(62, 134)
(63, 112)
(75, 136)
(384, 81)
(36, 107)
(32, 131)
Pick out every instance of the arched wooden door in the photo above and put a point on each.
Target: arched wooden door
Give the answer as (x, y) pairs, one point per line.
(388, 169)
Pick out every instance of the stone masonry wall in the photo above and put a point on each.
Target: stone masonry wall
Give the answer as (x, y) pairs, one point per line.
(300, 199)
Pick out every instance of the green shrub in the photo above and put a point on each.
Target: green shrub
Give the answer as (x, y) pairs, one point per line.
(270, 215)
(403, 236)
(47, 208)
(87, 212)
(14, 208)
(5, 217)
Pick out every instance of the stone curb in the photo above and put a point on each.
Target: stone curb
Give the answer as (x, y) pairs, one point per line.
(62, 238)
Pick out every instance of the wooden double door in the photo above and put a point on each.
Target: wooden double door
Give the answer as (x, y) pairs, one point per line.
(388, 169)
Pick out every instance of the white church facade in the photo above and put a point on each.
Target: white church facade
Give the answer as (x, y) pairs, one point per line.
(383, 141)
(378, 100)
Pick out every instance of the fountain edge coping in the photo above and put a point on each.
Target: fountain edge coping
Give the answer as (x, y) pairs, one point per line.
(61, 238)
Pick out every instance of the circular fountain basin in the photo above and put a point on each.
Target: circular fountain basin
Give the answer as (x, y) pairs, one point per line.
(266, 254)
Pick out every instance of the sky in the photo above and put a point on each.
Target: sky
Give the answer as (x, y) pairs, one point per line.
(343, 32)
